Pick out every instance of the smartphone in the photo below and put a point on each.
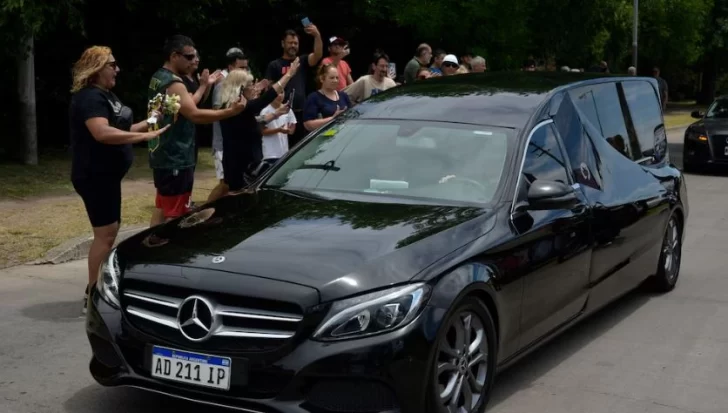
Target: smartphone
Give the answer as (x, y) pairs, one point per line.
(392, 70)
(305, 22)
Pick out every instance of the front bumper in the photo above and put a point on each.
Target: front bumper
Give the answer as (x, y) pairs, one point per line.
(385, 373)
(706, 153)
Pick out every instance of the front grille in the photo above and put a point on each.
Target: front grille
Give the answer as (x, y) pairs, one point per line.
(260, 325)
(719, 143)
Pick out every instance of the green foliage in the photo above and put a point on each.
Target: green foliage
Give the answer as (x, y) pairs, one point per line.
(22, 18)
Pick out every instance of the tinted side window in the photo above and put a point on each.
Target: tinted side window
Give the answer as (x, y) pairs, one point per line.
(646, 116)
(579, 148)
(544, 159)
(600, 104)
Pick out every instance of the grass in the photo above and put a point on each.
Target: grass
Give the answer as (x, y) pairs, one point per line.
(676, 119)
(31, 227)
(26, 234)
(52, 175)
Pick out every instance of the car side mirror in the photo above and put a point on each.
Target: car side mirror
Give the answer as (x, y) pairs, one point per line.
(545, 195)
(697, 114)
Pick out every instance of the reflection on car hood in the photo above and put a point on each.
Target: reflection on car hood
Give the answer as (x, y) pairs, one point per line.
(338, 247)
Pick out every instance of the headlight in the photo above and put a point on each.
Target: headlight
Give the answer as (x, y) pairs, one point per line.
(108, 283)
(697, 136)
(373, 313)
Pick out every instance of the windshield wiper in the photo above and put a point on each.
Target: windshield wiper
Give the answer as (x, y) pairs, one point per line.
(328, 166)
(296, 192)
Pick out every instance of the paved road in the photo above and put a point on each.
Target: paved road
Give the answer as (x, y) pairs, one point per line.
(646, 354)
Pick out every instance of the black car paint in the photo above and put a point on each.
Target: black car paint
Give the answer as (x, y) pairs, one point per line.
(538, 272)
(698, 153)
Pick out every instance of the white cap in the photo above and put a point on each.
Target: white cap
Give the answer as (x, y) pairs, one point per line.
(451, 59)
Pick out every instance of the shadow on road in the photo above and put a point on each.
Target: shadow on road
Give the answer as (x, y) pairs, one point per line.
(95, 399)
(531, 369)
(64, 311)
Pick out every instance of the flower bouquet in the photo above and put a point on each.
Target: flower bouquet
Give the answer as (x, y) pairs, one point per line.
(165, 105)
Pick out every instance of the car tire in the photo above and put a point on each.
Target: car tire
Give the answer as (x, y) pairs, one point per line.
(473, 370)
(668, 267)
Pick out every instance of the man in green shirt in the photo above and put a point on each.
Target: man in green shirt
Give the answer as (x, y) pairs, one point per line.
(172, 154)
(421, 59)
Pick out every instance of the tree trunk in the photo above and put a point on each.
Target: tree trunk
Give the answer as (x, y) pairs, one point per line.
(26, 95)
(709, 79)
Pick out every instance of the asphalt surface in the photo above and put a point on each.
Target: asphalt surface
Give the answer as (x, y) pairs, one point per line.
(644, 354)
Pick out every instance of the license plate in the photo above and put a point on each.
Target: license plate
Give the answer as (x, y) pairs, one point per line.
(191, 368)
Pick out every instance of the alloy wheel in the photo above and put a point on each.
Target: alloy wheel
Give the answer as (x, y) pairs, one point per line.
(671, 251)
(462, 364)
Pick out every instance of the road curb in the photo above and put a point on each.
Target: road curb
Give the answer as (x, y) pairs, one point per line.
(77, 248)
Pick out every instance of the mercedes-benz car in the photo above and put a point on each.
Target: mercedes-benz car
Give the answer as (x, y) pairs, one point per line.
(706, 141)
(401, 256)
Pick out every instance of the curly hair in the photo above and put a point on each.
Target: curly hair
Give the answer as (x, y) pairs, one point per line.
(92, 61)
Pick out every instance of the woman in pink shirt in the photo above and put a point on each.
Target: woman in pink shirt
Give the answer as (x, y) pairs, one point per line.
(338, 49)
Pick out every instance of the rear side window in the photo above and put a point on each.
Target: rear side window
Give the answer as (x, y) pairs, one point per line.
(646, 115)
(601, 106)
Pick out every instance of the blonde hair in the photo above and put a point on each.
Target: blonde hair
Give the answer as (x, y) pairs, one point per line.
(231, 86)
(92, 61)
(462, 70)
(322, 72)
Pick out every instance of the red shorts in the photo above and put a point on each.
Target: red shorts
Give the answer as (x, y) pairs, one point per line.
(174, 190)
(174, 206)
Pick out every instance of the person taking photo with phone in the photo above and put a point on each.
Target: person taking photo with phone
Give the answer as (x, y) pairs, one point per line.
(276, 131)
(279, 67)
(241, 134)
(338, 50)
(369, 85)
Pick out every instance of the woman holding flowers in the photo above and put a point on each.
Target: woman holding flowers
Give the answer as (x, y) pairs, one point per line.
(242, 140)
(102, 133)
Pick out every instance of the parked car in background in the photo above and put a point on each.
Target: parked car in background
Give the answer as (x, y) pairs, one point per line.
(706, 141)
(403, 254)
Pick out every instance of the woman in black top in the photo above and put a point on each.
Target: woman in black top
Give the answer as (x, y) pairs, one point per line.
(102, 133)
(242, 140)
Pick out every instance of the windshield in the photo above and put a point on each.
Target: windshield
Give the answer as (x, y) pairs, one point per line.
(719, 109)
(414, 159)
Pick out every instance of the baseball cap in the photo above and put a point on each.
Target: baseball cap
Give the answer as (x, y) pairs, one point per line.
(338, 40)
(451, 59)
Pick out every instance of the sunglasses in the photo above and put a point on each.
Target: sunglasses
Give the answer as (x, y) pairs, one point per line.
(189, 56)
(448, 64)
(113, 65)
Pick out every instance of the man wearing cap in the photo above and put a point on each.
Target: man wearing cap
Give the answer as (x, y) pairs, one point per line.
(338, 49)
(450, 65)
(235, 59)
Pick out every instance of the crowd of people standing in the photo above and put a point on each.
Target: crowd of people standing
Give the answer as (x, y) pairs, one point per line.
(254, 122)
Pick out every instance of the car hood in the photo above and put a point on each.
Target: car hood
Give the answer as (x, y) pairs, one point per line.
(712, 126)
(335, 246)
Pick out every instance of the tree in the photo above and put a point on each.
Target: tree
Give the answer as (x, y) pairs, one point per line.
(21, 22)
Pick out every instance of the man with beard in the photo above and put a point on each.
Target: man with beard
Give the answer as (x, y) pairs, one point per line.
(277, 68)
(369, 85)
(172, 154)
